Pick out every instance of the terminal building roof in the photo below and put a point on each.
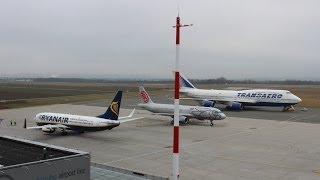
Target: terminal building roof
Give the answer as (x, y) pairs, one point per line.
(13, 151)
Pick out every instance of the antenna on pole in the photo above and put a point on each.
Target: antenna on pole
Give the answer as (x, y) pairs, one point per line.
(175, 164)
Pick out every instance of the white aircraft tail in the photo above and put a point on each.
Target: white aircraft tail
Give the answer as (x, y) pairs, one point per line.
(144, 96)
(185, 83)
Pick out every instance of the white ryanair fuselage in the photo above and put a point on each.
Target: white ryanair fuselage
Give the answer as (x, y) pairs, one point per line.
(50, 122)
(75, 122)
(254, 97)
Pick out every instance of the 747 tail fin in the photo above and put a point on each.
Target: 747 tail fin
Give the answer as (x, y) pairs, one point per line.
(114, 108)
(185, 83)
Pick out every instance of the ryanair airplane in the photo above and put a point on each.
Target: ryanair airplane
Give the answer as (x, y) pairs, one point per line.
(49, 122)
(238, 99)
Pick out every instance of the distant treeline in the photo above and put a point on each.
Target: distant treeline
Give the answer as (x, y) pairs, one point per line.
(220, 80)
(80, 80)
(223, 80)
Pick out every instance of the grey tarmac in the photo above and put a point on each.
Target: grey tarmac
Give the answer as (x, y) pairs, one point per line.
(235, 148)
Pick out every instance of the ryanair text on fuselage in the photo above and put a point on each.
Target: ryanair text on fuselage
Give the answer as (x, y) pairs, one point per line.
(54, 118)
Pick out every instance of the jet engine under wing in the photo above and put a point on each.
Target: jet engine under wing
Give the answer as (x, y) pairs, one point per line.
(227, 101)
(242, 101)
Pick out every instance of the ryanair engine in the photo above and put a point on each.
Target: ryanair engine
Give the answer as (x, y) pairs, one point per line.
(48, 129)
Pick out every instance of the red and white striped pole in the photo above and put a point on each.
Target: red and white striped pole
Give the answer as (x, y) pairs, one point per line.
(175, 167)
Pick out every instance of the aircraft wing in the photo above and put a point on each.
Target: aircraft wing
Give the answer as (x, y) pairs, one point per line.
(241, 101)
(132, 119)
(125, 118)
(130, 115)
(225, 101)
(171, 114)
(52, 126)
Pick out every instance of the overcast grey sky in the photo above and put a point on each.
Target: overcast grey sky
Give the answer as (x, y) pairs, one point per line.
(237, 39)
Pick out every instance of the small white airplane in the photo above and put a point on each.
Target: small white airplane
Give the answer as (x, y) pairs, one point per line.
(186, 112)
(238, 99)
(49, 122)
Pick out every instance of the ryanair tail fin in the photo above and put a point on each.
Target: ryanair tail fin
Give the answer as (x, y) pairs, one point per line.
(113, 109)
(144, 96)
(185, 83)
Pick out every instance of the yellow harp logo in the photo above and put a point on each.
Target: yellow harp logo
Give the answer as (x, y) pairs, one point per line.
(114, 106)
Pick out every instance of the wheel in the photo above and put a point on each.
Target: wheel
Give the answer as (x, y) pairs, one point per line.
(187, 121)
(211, 124)
(288, 108)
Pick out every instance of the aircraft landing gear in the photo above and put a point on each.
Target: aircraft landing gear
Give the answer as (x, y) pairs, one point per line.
(64, 133)
(187, 121)
(180, 123)
(211, 124)
(288, 108)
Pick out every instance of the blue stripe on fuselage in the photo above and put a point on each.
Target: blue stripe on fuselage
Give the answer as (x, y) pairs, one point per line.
(268, 104)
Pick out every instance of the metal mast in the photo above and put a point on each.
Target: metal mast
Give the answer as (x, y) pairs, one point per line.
(175, 167)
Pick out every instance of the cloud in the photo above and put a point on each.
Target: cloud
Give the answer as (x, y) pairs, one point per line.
(234, 39)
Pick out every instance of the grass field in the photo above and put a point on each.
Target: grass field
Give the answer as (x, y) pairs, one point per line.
(22, 94)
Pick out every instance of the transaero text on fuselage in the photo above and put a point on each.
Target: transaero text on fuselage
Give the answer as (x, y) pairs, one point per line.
(260, 95)
(54, 118)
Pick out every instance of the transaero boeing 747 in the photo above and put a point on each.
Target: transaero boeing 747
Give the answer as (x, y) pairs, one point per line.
(186, 112)
(49, 122)
(237, 100)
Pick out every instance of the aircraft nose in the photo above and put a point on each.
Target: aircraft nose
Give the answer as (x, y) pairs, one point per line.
(298, 99)
(223, 116)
